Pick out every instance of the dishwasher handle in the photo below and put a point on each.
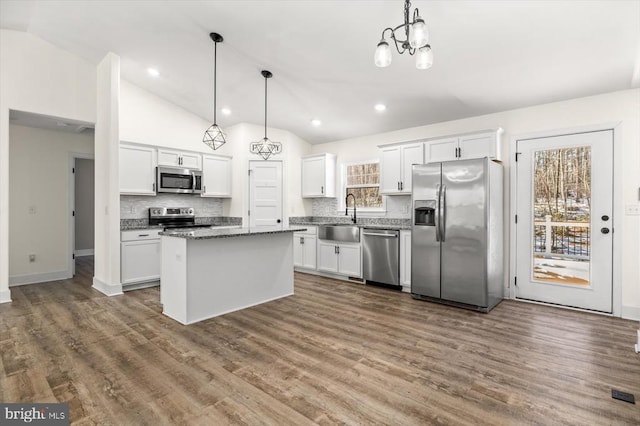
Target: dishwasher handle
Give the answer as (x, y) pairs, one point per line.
(377, 234)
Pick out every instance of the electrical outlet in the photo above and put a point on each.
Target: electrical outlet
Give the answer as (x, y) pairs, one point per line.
(632, 210)
(32, 210)
(32, 258)
(132, 209)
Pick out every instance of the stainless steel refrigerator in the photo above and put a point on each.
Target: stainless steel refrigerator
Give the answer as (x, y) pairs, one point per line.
(457, 238)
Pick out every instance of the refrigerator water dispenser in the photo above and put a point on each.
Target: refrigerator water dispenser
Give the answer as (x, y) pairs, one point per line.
(425, 212)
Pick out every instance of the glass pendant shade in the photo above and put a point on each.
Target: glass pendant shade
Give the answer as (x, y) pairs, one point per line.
(213, 137)
(382, 57)
(424, 58)
(419, 35)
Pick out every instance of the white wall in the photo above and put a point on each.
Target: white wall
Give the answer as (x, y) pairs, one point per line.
(623, 106)
(84, 203)
(148, 119)
(36, 77)
(39, 216)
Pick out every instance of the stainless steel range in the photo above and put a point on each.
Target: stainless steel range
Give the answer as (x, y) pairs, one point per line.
(173, 217)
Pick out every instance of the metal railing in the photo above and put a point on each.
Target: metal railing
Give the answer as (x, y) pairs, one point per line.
(570, 240)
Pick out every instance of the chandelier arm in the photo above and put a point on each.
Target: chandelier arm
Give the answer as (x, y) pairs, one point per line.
(399, 42)
(416, 13)
(215, 69)
(265, 107)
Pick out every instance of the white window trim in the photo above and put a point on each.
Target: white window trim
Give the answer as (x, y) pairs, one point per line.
(364, 211)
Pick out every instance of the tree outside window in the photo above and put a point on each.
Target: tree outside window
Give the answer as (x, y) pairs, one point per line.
(363, 181)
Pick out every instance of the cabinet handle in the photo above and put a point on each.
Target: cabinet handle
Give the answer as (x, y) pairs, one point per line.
(153, 187)
(301, 240)
(204, 189)
(322, 189)
(401, 186)
(338, 247)
(143, 235)
(398, 185)
(460, 152)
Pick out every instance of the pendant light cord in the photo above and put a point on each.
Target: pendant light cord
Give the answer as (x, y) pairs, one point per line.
(265, 107)
(215, 69)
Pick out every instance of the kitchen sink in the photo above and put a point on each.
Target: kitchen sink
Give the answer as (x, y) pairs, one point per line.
(343, 232)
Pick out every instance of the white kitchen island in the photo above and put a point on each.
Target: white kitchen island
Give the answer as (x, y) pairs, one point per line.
(210, 272)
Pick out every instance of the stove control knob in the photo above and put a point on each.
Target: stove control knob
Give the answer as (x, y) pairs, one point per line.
(190, 211)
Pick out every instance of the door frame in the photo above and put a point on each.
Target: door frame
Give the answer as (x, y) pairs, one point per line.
(71, 247)
(618, 214)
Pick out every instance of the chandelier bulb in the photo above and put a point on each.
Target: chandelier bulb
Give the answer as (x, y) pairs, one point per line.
(419, 35)
(382, 57)
(424, 58)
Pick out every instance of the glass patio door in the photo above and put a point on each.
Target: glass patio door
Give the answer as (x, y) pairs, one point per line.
(565, 220)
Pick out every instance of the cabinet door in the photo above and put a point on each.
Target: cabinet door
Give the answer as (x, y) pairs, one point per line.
(309, 249)
(349, 260)
(137, 170)
(298, 251)
(168, 158)
(390, 170)
(327, 257)
(216, 176)
(313, 177)
(479, 146)
(405, 260)
(140, 261)
(441, 150)
(191, 160)
(411, 154)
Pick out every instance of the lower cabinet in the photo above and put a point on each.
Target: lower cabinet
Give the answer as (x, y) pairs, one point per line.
(405, 260)
(304, 248)
(139, 256)
(339, 258)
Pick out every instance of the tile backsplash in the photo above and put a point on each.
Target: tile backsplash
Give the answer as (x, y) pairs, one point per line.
(398, 206)
(137, 206)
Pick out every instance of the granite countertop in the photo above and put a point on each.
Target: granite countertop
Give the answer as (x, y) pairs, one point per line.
(143, 223)
(208, 233)
(401, 227)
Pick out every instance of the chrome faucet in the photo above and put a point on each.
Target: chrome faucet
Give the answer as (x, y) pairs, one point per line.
(346, 207)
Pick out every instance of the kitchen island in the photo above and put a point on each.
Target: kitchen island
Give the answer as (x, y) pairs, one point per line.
(210, 272)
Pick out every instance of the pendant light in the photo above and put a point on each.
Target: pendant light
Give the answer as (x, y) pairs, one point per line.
(213, 136)
(265, 147)
(411, 36)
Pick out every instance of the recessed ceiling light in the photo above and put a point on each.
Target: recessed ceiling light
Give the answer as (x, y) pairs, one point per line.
(225, 111)
(316, 122)
(153, 72)
(380, 107)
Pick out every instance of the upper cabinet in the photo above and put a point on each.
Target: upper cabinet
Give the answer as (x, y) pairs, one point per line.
(171, 158)
(395, 167)
(463, 147)
(216, 176)
(137, 170)
(319, 176)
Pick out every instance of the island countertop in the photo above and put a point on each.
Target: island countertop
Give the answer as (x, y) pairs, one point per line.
(207, 233)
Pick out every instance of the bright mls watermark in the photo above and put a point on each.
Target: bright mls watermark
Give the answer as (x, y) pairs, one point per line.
(36, 414)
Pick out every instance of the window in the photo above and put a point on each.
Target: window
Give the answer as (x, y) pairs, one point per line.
(363, 181)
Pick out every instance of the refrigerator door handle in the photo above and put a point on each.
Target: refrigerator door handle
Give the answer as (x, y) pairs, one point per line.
(443, 215)
(437, 212)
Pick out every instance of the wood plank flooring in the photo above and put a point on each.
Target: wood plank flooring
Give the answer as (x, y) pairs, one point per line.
(334, 353)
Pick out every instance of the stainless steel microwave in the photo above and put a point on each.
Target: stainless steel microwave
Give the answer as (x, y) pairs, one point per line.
(180, 181)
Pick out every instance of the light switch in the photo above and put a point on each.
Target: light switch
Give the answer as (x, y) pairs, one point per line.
(632, 210)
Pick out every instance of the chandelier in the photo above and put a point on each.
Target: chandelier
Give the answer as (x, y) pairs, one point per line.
(265, 147)
(213, 136)
(412, 37)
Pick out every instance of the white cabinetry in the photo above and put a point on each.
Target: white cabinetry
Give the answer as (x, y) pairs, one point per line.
(140, 256)
(304, 248)
(319, 176)
(339, 258)
(137, 170)
(462, 147)
(405, 260)
(395, 167)
(171, 158)
(216, 176)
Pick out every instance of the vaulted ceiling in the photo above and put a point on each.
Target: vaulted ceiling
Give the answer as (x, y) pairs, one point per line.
(489, 56)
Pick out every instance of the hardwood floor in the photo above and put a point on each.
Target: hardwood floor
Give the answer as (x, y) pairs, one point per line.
(334, 352)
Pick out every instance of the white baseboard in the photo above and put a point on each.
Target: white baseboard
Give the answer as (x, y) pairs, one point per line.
(5, 296)
(16, 280)
(630, 312)
(85, 252)
(106, 289)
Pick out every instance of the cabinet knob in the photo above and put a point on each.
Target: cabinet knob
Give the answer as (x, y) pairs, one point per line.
(605, 230)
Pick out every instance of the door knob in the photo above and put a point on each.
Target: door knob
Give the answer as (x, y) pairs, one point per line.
(604, 230)
(278, 221)
(605, 218)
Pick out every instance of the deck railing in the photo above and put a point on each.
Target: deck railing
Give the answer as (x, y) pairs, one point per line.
(570, 240)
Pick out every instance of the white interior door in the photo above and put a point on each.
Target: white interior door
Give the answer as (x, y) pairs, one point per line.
(564, 229)
(265, 193)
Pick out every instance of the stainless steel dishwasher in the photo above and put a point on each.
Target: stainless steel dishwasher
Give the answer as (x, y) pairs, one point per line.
(381, 249)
